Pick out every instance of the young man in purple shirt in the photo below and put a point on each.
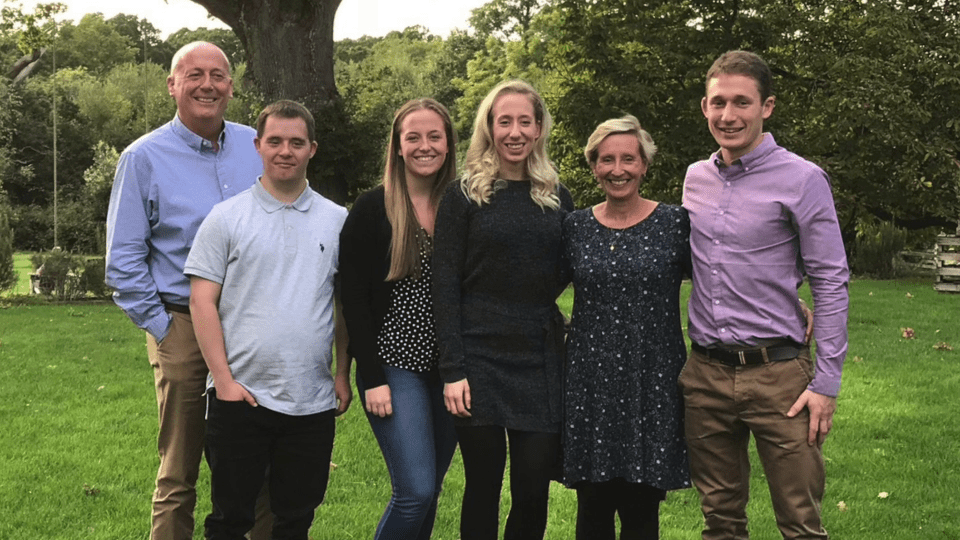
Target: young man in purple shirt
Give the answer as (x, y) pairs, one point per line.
(761, 219)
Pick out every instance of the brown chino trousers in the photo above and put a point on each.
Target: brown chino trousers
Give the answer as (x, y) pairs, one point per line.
(724, 405)
(180, 375)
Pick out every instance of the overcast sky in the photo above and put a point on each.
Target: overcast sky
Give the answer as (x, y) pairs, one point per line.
(355, 18)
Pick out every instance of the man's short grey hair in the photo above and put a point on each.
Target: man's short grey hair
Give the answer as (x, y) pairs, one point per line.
(189, 47)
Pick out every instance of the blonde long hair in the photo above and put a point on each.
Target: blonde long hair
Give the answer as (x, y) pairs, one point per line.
(405, 239)
(483, 162)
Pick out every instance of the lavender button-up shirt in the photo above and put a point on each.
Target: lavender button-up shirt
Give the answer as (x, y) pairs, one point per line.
(757, 227)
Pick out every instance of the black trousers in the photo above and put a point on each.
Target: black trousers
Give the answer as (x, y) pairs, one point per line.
(534, 461)
(242, 441)
(638, 506)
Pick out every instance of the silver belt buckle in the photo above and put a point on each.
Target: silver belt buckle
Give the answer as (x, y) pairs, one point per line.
(743, 359)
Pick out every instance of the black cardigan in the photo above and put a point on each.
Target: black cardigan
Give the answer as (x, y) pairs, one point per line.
(365, 294)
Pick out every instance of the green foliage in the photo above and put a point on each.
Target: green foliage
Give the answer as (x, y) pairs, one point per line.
(92, 276)
(876, 249)
(505, 19)
(8, 276)
(59, 273)
(225, 39)
(65, 276)
(145, 37)
(32, 228)
(32, 30)
(93, 44)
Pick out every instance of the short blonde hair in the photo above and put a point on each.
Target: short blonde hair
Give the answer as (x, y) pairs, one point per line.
(483, 163)
(626, 124)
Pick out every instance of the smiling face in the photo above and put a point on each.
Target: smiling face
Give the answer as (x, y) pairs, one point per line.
(285, 149)
(735, 114)
(619, 167)
(423, 144)
(515, 130)
(202, 87)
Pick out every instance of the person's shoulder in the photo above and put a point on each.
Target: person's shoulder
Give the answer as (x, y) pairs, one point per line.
(238, 128)
(239, 202)
(157, 139)
(674, 212)
(453, 194)
(701, 167)
(796, 164)
(329, 208)
(370, 200)
(582, 214)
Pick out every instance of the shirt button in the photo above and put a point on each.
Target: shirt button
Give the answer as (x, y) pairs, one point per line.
(716, 242)
(728, 184)
(716, 302)
(722, 330)
(224, 186)
(714, 272)
(721, 212)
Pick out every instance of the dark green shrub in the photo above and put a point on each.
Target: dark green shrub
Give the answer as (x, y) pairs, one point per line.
(65, 276)
(92, 276)
(59, 273)
(8, 276)
(876, 249)
(32, 228)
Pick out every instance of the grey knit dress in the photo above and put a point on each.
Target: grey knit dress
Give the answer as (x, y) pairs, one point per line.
(497, 274)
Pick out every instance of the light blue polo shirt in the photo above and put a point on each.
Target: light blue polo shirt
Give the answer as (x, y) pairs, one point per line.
(276, 264)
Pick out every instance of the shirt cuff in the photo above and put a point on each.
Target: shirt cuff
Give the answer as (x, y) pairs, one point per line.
(823, 386)
(159, 326)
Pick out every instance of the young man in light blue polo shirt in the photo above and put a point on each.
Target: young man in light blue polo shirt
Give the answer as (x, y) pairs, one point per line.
(262, 272)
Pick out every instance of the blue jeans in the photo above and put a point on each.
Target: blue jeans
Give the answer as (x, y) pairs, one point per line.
(417, 441)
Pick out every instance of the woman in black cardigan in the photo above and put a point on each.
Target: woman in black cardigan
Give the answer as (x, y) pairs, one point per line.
(385, 273)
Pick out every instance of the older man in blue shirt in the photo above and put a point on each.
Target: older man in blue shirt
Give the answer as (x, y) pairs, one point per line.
(166, 183)
(761, 219)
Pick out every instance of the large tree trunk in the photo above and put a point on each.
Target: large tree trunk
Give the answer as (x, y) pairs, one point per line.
(289, 51)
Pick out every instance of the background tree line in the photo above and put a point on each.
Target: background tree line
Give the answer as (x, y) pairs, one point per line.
(868, 90)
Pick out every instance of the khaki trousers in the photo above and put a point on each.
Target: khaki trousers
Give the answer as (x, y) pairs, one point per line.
(724, 405)
(180, 375)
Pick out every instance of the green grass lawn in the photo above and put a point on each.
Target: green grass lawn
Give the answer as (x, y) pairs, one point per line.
(78, 421)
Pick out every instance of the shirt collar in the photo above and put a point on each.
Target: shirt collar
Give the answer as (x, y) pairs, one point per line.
(271, 204)
(767, 145)
(195, 141)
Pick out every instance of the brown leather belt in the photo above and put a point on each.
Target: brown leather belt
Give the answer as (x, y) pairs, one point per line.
(176, 307)
(749, 356)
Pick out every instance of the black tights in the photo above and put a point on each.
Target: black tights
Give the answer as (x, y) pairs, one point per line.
(534, 461)
(638, 506)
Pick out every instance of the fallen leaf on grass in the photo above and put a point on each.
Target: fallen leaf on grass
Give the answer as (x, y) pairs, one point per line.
(907, 333)
(909, 295)
(842, 506)
(871, 294)
(90, 491)
(857, 359)
(333, 465)
(101, 387)
(883, 495)
(943, 346)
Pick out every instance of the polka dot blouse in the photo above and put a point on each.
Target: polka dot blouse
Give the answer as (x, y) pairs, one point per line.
(408, 339)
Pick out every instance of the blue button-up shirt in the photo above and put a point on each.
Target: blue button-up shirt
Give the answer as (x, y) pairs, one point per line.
(757, 227)
(166, 183)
